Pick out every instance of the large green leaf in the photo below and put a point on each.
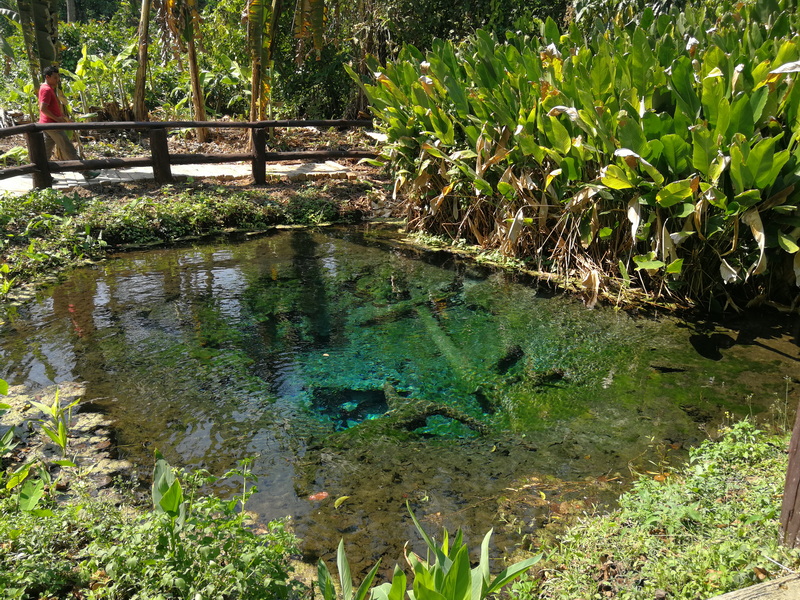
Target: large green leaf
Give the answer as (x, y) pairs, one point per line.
(30, 494)
(394, 590)
(631, 136)
(742, 119)
(511, 573)
(704, 150)
(713, 95)
(758, 100)
(787, 242)
(442, 126)
(6, 48)
(642, 62)
(744, 201)
(648, 262)
(723, 119)
(676, 192)
(171, 501)
(557, 134)
(763, 164)
(677, 153)
(551, 33)
(325, 582)
(682, 83)
(741, 177)
(615, 178)
(457, 582)
(162, 478)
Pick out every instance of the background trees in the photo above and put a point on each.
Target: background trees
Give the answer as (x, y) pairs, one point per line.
(299, 50)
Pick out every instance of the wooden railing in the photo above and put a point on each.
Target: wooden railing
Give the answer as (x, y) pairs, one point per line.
(160, 158)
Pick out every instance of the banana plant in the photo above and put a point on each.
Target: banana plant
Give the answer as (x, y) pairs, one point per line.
(38, 20)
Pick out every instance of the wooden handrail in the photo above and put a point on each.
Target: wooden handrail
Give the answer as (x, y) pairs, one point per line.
(160, 159)
(148, 125)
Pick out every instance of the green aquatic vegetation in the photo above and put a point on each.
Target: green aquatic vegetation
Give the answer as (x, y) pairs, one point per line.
(708, 529)
(170, 215)
(307, 207)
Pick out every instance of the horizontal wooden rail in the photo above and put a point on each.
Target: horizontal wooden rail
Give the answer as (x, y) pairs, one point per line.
(148, 125)
(160, 159)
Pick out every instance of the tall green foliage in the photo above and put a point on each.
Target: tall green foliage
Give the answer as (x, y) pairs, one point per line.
(665, 145)
(447, 573)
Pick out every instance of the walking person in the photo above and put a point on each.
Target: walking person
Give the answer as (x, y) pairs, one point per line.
(50, 112)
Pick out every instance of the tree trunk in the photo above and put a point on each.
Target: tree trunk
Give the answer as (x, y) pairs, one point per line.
(255, 96)
(139, 108)
(790, 512)
(197, 91)
(71, 14)
(26, 22)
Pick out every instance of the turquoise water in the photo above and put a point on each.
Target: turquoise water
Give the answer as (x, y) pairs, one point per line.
(279, 348)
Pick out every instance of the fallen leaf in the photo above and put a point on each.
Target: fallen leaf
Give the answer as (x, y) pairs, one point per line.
(762, 574)
(318, 496)
(339, 501)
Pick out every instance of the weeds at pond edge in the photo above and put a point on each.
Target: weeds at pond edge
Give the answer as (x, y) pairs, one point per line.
(711, 529)
(191, 545)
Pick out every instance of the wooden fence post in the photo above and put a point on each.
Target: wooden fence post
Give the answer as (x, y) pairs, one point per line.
(159, 152)
(790, 511)
(259, 156)
(42, 178)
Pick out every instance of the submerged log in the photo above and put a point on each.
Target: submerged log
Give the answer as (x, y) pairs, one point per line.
(404, 415)
(411, 413)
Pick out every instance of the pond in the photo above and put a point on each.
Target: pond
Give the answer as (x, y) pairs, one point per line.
(362, 375)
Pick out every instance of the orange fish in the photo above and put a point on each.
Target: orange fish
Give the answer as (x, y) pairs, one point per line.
(318, 496)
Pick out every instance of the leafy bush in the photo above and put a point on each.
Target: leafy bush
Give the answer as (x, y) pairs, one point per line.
(192, 546)
(711, 529)
(664, 145)
(117, 552)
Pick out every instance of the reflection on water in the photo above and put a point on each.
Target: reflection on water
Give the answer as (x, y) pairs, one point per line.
(280, 347)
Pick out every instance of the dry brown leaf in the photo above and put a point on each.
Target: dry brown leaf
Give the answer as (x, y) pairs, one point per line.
(753, 219)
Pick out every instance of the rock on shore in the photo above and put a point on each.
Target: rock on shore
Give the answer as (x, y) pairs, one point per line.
(89, 444)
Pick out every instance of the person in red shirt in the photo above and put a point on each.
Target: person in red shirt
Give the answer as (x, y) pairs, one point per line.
(50, 112)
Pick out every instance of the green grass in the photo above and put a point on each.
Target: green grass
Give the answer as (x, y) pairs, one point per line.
(711, 529)
(49, 231)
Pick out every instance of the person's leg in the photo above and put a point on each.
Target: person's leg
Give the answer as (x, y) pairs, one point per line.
(65, 147)
(49, 144)
(61, 140)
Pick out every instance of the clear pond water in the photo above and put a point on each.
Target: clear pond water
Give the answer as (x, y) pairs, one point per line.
(281, 347)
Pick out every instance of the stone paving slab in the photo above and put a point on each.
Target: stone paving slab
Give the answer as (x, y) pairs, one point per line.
(302, 171)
